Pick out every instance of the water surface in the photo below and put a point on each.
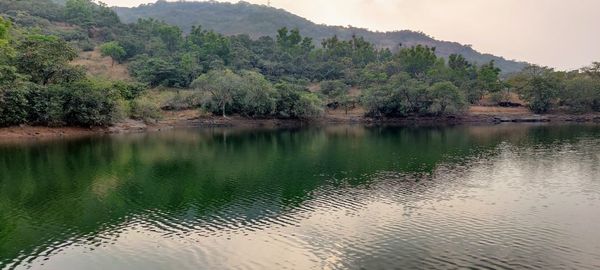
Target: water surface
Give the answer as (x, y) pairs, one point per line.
(489, 197)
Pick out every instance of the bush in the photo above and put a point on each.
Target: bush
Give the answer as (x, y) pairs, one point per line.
(334, 88)
(13, 106)
(539, 86)
(46, 105)
(183, 102)
(145, 109)
(257, 98)
(400, 97)
(91, 103)
(129, 91)
(382, 101)
(308, 106)
(581, 94)
(446, 98)
(294, 101)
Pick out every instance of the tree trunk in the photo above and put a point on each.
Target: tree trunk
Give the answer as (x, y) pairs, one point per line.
(224, 116)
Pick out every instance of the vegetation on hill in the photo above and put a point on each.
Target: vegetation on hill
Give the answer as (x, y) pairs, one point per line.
(258, 21)
(285, 76)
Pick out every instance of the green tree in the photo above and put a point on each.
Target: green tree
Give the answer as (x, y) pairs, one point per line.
(581, 94)
(416, 60)
(222, 85)
(44, 58)
(539, 86)
(6, 51)
(257, 95)
(113, 50)
(13, 106)
(446, 98)
(488, 78)
(295, 101)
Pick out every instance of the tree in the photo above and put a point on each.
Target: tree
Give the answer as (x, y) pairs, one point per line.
(417, 60)
(222, 85)
(446, 98)
(113, 50)
(488, 78)
(295, 101)
(257, 97)
(539, 86)
(334, 88)
(581, 94)
(6, 51)
(44, 58)
(593, 70)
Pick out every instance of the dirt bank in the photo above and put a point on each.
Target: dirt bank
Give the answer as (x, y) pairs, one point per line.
(191, 118)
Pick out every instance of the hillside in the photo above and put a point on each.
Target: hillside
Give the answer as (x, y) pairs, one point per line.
(260, 20)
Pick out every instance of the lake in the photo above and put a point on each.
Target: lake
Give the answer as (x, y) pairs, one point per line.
(339, 197)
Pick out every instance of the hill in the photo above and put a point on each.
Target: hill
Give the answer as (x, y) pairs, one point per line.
(260, 20)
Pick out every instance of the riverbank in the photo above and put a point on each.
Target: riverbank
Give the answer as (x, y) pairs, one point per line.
(192, 118)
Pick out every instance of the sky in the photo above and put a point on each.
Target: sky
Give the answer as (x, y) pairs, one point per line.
(563, 34)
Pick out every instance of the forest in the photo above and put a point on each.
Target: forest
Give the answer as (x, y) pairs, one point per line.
(285, 76)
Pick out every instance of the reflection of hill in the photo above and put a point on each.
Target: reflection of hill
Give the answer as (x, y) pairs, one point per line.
(217, 179)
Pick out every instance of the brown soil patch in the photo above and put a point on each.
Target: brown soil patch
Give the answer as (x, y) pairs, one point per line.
(29, 133)
(499, 111)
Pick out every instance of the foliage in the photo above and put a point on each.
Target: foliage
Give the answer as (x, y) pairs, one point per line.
(446, 98)
(257, 97)
(45, 59)
(416, 60)
(581, 94)
(258, 21)
(334, 88)
(91, 103)
(222, 85)
(89, 14)
(254, 77)
(538, 86)
(13, 106)
(145, 109)
(295, 101)
(157, 72)
(113, 50)
(401, 96)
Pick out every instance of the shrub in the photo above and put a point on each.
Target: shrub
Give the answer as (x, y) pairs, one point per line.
(129, 91)
(446, 98)
(581, 94)
(91, 103)
(13, 106)
(334, 88)
(382, 101)
(257, 96)
(308, 106)
(145, 109)
(46, 105)
(294, 101)
(183, 102)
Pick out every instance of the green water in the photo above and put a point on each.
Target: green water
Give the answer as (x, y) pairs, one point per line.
(488, 197)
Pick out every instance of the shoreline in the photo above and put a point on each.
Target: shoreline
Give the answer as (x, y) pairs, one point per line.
(41, 133)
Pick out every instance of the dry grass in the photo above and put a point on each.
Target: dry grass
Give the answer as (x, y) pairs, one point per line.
(487, 100)
(495, 110)
(97, 65)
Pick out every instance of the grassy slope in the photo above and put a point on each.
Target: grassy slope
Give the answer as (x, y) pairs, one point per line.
(100, 66)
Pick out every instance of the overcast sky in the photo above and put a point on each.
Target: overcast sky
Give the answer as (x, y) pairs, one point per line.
(564, 34)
